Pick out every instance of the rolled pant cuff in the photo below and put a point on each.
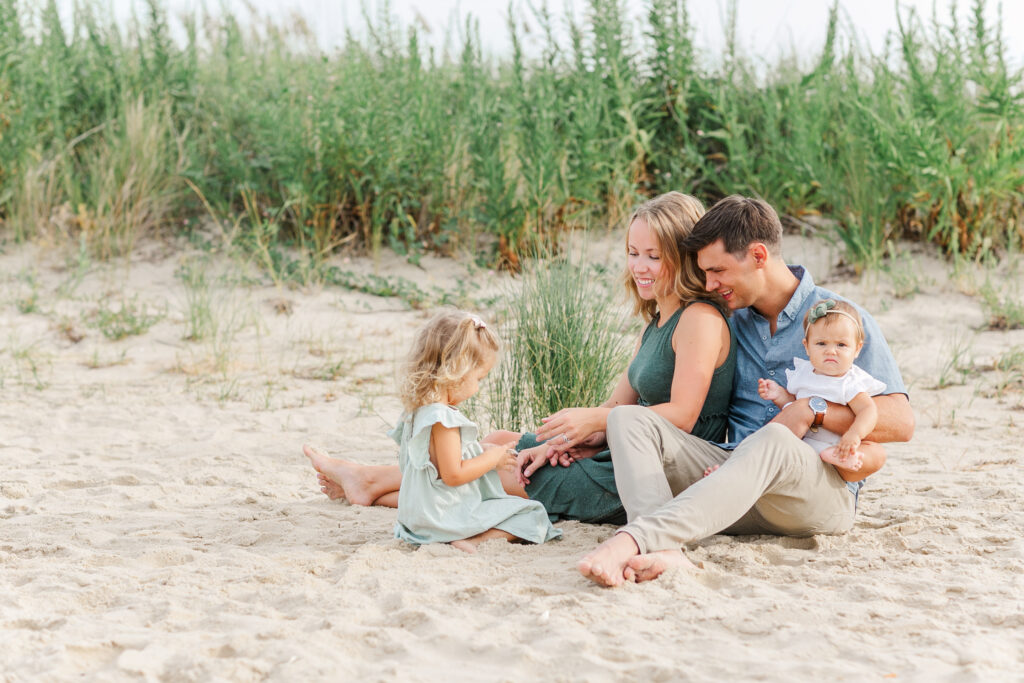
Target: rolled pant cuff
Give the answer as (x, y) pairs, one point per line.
(637, 535)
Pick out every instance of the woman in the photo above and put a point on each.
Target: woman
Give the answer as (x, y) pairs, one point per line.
(682, 369)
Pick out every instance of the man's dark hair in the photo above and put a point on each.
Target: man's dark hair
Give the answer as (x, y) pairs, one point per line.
(738, 222)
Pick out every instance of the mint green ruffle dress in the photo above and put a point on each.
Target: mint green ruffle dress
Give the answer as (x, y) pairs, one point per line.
(430, 511)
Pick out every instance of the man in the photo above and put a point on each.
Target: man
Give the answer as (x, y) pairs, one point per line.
(767, 479)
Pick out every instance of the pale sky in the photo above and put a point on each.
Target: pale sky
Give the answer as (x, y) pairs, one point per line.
(766, 28)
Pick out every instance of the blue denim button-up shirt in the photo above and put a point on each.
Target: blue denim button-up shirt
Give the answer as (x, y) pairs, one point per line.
(761, 354)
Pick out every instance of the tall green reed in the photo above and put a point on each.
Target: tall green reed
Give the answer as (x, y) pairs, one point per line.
(390, 143)
(565, 344)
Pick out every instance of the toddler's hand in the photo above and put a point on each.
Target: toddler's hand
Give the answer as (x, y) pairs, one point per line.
(508, 458)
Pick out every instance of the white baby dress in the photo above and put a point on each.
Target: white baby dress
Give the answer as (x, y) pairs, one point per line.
(803, 382)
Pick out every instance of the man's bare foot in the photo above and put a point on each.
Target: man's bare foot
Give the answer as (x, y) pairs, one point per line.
(851, 463)
(650, 566)
(360, 484)
(606, 564)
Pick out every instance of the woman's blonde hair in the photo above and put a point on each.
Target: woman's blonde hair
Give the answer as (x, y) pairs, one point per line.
(671, 217)
(446, 349)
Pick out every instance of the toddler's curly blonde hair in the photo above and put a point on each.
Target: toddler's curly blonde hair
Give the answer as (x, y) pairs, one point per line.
(446, 349)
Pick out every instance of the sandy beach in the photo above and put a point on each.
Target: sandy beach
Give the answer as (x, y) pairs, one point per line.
(159, 522)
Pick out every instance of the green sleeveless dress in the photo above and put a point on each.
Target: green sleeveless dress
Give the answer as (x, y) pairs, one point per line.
(585, 490)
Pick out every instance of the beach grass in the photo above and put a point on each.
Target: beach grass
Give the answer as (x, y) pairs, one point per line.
(109, 134)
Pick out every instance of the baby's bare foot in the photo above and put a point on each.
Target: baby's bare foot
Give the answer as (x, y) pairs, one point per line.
(851, 463)
(606, 564)
(709, 470)
(650, 566)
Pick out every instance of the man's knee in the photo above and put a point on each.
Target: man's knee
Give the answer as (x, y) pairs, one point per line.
(774, 436)
(777, 442)
(623, 418)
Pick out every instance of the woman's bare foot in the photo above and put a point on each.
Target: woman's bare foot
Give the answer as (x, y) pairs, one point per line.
(606, 564)
(333, 491)
(650, 566)
(360, 484)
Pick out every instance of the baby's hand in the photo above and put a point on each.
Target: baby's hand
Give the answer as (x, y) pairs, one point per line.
(770, 390)
(848, 445)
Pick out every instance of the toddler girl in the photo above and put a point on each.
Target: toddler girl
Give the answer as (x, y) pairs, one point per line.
(833, 337)
(450, 491)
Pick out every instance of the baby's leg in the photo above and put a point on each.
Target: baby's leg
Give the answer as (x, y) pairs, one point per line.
(851, 463)
(469, 544)
(361, 484)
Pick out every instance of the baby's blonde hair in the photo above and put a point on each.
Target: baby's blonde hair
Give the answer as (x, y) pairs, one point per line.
(446, 349)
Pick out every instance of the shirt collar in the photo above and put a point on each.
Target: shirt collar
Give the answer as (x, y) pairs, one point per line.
(803, 292)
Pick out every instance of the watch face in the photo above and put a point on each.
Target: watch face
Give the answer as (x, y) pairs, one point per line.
(818, 404)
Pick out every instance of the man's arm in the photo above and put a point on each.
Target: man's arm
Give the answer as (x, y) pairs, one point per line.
(895, 418)
(895, 423)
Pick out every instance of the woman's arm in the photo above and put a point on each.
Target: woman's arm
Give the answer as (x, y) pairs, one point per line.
(699, 344)
(446, 454)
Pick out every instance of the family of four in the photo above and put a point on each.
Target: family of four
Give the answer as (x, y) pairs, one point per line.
(755, 403)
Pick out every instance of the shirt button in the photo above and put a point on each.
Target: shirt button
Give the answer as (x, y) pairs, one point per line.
(764, 338)
(771, 410)
(771, 372)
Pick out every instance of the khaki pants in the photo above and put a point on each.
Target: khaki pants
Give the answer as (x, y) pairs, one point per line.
(772, 483)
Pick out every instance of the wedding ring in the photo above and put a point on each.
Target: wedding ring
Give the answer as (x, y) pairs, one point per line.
(565, 438)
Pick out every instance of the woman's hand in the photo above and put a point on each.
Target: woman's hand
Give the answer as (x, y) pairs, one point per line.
(570, 426)
(529, 461)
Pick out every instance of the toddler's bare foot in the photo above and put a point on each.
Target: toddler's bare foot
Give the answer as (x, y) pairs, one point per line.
(350, 480)
(851, 463)
(709, 470)
(469, 545)
(650, 566)
(606, 564)
(465, 546)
